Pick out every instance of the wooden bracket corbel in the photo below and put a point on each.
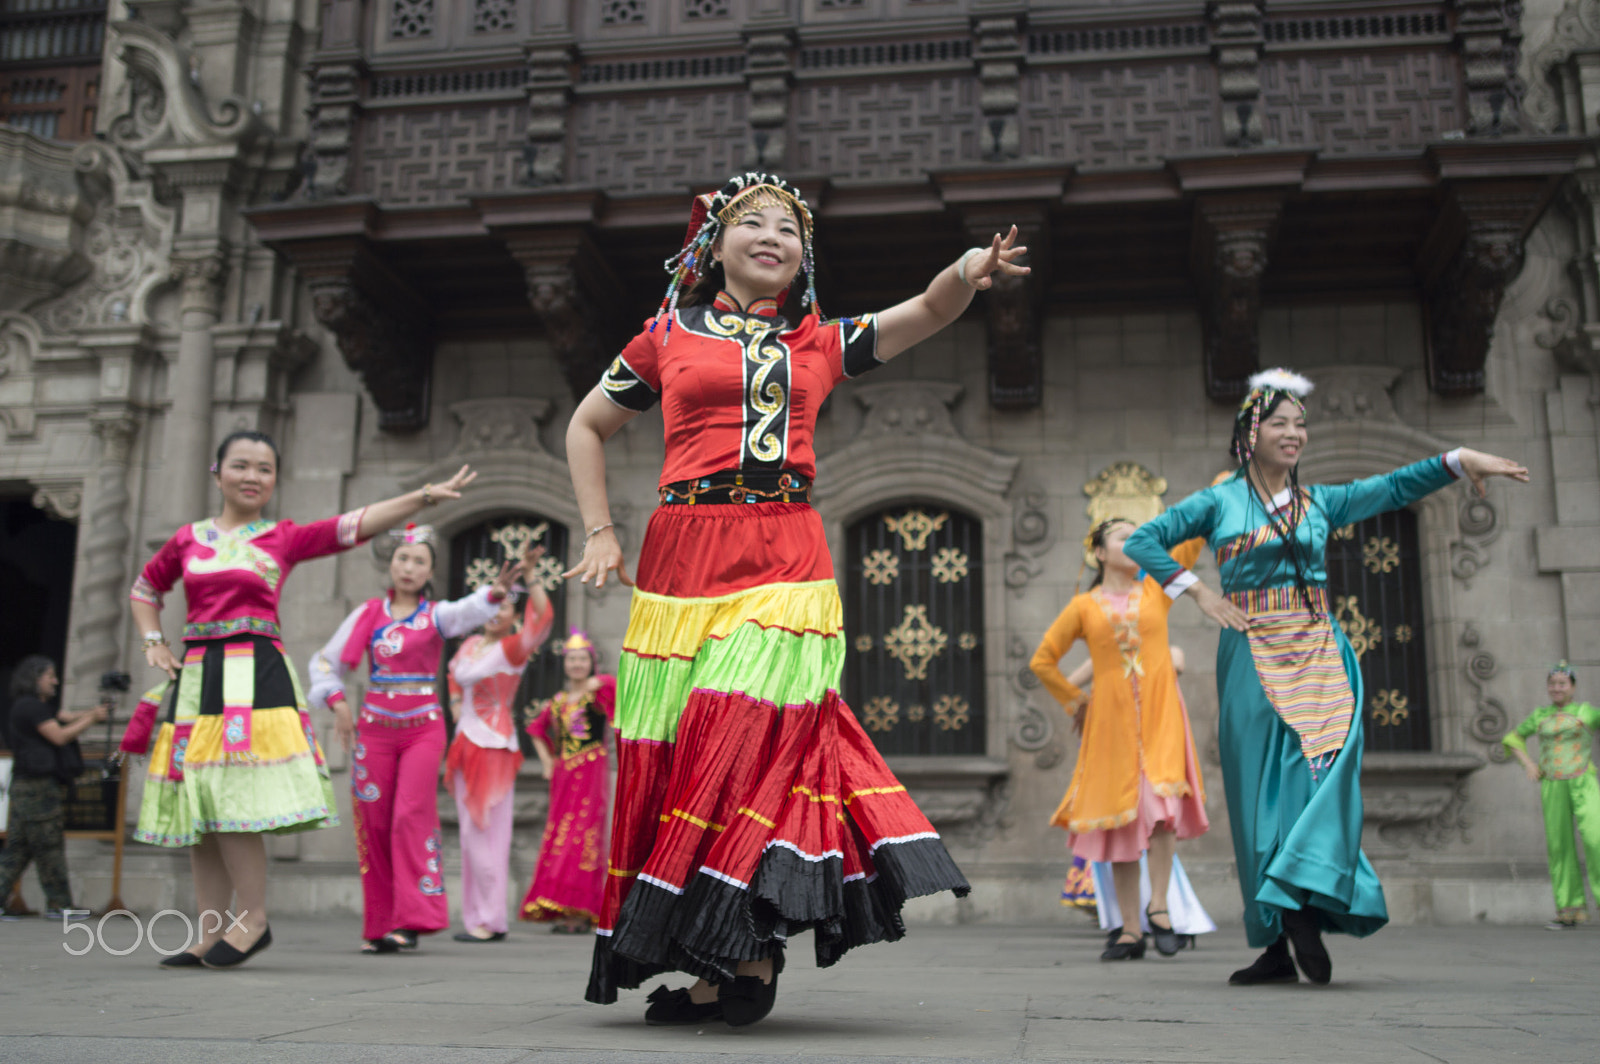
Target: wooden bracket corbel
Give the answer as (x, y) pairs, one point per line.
(1233, 238)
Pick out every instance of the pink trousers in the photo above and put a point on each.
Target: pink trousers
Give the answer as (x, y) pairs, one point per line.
(485, 862)
(394, 777)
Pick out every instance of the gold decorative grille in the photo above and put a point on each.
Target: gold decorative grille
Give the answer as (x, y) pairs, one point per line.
(914, 609)
(1375, 585)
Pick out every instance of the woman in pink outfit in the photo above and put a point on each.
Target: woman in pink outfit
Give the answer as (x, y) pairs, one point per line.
(571, 735)
(481, 768)
(396, 749)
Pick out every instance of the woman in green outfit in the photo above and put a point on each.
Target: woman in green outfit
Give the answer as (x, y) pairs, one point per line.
(1567, 789)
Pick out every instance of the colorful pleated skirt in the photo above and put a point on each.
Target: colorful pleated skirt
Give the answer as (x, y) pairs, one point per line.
(236, 751)
(750, 804)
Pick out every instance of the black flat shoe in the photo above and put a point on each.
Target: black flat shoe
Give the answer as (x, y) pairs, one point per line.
(1125, 951)
(379, 945)
(1273, 966)
(402, 938)
(1309, 952)
(182, 960)
(223, 955)
(1165, 938)
(747, 999)
(672, 1008)
(468, 936)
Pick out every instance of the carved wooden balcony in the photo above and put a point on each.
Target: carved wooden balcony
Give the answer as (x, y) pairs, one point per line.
(1217, 157)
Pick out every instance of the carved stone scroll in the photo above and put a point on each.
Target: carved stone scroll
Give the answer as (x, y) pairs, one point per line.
(1473, 252)
(998, 53)
(549, 88)
(1233, 237)
(60, 497)
(334, 113)
(1489, 718)
(1236, 44)
(1489, 37)
(563, 268)
(769, 74)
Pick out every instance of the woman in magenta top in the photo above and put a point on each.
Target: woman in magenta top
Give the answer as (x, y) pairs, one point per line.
(236, 756)
(399, 739)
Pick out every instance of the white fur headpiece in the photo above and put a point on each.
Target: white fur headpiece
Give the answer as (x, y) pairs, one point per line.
(1283, 380)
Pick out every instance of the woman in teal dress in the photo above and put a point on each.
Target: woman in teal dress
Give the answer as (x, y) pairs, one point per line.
(1288, 685)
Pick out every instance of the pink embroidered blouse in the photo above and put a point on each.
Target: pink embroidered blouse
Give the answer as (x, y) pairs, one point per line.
(232, 578)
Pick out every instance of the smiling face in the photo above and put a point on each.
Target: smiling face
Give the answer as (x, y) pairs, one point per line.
(247, 475)
(760, 254)
(48, 683)
(411, 567)
(1110, 554)
(1560, 688)
(1281, 438)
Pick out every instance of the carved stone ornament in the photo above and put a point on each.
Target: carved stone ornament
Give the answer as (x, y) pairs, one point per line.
(564, 269)
(1030, 538)
(1416, 800)
(62, 499)
(1354, 393)
(334, 113)
(1489, 36)
(1127, 490)
(1553, 103)
(1236, 45)
(1479, 523)
(19, 348)
(499, 425)
(102, 590)
(1489, 719)
(769, 76)
(164, 106)
(549, 89)
(998, 53)
(1232, 239)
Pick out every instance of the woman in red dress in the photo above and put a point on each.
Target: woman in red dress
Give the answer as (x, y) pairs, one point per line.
(750, 804)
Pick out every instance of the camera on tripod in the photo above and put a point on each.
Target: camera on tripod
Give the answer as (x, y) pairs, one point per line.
(115, 681)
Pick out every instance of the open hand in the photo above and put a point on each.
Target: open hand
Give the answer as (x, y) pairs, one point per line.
(1479, 467)
(1001, 257)
(451, 489)
(508, 576)
(601, 555)
(1218, 608)
(160, 657)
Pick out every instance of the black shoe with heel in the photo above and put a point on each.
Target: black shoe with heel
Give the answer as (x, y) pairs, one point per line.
(1166, 939)
(747, 999)
(223, 955)
(1125, 951)
(673, 1008)
(1273, 966)
(1309, 952)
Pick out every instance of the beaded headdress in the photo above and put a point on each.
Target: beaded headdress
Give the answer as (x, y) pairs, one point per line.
(579, 640)
(1265, 388)
(714, 212)
(1561, 668)
(413, 533)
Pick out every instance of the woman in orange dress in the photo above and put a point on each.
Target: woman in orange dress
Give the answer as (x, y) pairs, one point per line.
(1137, 785)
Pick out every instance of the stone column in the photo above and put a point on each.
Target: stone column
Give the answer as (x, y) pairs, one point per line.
(186, 452)
(103, 591)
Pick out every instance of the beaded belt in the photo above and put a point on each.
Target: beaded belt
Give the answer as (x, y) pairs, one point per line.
(733, 486)
(1279, 600)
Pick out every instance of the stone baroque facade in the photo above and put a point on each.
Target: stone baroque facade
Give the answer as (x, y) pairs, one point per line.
(409, 233)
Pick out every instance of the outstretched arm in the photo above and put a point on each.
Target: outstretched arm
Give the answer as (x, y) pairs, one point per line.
(595, 421)
(948, 295)
(381, 516)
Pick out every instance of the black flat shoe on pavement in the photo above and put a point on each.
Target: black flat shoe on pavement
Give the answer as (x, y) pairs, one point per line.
(468, 936)
(403, 938)
(1309, 952)
(379, 945)
(1125, 951)
(747, 999)
(182, 960)
(672, 1008)
(1273, 966)
(1166, 939)
(222, 955)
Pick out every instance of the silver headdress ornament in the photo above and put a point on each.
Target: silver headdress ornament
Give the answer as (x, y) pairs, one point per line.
(413, 534)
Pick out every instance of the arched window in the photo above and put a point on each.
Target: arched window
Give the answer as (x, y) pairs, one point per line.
(914, 616)
(1375, 590)
(476, 555)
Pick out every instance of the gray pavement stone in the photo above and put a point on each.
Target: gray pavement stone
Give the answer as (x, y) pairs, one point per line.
(945, 994)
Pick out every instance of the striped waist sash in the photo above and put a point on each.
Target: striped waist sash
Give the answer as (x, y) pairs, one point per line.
(1279, 600)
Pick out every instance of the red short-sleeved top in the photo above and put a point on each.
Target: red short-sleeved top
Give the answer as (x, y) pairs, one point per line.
(738, 389)
(232, 578)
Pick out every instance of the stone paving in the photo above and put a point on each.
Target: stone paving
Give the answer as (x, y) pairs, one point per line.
(948, 994)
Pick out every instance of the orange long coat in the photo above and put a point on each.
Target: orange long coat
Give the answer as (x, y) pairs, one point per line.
(1122, 732)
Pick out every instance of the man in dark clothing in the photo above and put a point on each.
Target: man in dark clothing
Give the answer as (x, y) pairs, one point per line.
(42, 744)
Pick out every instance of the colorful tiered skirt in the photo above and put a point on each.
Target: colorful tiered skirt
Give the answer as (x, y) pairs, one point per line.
(750, 804)
(237, 751)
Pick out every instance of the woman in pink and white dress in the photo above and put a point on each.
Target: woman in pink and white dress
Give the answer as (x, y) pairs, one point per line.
(400, 739)
(481, 768)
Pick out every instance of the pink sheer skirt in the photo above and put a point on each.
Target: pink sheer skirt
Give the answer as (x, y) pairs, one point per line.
(1185, 815)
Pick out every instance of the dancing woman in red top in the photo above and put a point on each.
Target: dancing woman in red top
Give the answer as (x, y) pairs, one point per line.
(750, 804)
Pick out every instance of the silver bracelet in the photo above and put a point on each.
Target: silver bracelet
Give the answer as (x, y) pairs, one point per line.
(961, 265)
(596, 530)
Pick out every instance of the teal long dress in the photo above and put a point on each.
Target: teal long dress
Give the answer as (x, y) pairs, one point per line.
(1291, 763)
